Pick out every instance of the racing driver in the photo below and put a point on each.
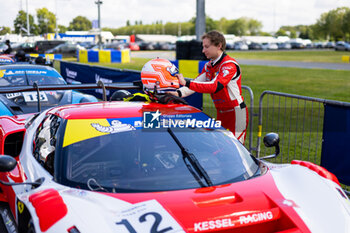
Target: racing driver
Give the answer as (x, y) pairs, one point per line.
(221, 77)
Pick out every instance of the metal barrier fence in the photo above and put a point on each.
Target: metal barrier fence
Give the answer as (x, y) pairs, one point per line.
(209, 108)
(299, 122)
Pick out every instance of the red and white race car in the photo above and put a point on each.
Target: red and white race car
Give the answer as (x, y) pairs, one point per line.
(96, 167)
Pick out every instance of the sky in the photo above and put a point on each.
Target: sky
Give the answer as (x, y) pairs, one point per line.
(114, 13)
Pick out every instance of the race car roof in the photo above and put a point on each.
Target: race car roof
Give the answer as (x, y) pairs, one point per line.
(118, 109)
(26, 66)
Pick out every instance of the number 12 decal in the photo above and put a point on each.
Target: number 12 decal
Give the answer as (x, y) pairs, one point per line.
(148, 216)
(154, 229)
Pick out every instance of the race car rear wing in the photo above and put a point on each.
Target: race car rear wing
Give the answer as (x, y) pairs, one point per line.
(136, 85)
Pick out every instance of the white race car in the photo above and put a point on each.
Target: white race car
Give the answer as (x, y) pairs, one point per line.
(92, 168)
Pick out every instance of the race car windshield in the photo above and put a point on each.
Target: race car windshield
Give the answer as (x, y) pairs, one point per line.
(24, 79)
(140, 161)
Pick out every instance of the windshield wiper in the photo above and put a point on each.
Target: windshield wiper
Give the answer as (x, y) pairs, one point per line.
(193, 161)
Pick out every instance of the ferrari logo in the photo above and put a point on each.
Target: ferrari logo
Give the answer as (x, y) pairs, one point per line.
(20, 207)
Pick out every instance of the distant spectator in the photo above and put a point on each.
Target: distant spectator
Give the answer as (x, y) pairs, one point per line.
(9, 49)
(21, 56)
(40, 60)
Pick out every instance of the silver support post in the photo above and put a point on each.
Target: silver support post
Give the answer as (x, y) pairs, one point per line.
(200, 19)
(99, 2)
(28, 27)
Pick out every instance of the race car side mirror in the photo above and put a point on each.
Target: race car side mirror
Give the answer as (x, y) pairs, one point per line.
(270, 140)
(7, 163)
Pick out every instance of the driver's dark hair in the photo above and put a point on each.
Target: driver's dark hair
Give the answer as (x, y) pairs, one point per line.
(216, 38)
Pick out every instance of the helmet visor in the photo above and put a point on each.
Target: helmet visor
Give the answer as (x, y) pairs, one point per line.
(172, 70)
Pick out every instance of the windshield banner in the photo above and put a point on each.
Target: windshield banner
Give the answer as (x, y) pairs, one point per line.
(157, 120)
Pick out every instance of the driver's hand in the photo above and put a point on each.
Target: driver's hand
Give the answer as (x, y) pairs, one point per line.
(173, 93)
(181, 78)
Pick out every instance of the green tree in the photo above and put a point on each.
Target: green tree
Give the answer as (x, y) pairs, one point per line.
(80, 23)
(62, 28)
(293, 34)
(210, 24)
(333, 24)
(254, 27)
(46, 21)
(346, 25)
(128, 23)
(4, 30)
(21, 22)
(238, 27)
(281, 32)
(244, 26)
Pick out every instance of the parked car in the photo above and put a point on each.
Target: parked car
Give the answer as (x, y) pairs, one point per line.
(87, 44)
(43, 45)
(92, 168)
(297, 45)
(113, 45)
(21, 76)
(68, 49)
(133, 46)
(254, 46)
(240, 46)
(330, 45)
(269, 46)
(284, 45)
(27, 47)
(145, 45)
(342, 46)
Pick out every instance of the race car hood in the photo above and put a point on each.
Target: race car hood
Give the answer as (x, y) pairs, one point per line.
(285, 199)
(26, 102)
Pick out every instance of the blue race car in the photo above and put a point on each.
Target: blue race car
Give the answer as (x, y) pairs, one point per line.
(26, 102)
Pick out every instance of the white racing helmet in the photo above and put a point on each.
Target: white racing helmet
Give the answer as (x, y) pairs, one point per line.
(159, 74)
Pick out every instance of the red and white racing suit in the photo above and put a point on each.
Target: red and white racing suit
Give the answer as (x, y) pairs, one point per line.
(223, 81)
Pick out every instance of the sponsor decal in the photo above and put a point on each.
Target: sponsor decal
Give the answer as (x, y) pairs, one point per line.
(147, 216)
(240, 220)
(225, 72)
(13, 95)
(33, 96)
(258, 217)
(2, 73)
(4, 60)
(214, 224)
(7, 219)
(155, 120)
(71, 74)
(116, 127)
(104, 80)
(44, 72)
(82, 129)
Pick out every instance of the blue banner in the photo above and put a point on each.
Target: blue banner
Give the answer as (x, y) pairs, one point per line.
(336, 137)
(73, 72)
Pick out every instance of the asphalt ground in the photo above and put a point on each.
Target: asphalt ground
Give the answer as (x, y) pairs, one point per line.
(170, 55)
